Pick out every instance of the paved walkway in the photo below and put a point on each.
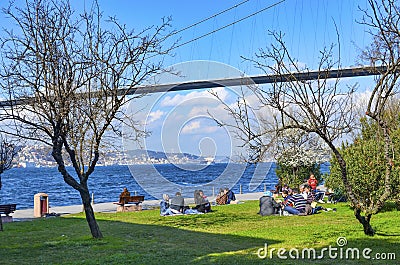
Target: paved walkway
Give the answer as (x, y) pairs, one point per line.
(27, 214)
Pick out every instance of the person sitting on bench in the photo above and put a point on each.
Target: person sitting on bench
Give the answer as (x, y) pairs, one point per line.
(124, 194)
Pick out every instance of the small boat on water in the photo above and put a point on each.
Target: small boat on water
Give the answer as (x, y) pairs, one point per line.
(208, 161)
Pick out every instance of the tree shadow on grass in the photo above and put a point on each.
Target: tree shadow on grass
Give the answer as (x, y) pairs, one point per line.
(157, 244)
(66, 241)
(147, 238)
(387, 234)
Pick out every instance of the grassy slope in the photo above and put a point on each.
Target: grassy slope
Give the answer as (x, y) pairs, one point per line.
(231, 234)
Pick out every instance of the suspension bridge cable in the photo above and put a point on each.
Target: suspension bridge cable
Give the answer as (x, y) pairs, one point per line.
(208, 18)
(233, 23)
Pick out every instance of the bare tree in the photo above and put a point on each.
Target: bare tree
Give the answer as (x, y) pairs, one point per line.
(383, 22)
(322, 107)
(7, 153)
(325, 109)
(68, 69)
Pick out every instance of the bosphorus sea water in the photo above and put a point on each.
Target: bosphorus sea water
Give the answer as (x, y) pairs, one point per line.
(21, 184)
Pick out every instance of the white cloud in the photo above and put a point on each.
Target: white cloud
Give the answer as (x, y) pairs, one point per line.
(196, 127)
(191, 127)
(155, 115)
(181, 98)
(210, 129)
(198, 111)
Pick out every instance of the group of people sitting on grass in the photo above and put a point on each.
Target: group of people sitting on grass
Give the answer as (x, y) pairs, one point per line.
(176, 204)
(302, 201)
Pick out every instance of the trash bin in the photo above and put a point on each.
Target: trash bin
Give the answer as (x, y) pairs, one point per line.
(40, 204)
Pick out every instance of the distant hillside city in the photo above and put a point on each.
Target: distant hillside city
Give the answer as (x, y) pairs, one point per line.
(40, 156)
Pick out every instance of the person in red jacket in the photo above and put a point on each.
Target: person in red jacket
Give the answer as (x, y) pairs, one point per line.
(313, 182)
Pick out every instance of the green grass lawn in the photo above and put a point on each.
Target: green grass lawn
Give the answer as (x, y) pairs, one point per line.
(231, 234)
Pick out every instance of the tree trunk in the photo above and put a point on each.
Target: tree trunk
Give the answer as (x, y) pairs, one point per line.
(343, 171)
(90, 218)
(81, 187)
(1, 220)
(365, 221)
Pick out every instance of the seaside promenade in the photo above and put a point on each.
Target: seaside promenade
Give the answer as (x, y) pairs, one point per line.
(27, 214)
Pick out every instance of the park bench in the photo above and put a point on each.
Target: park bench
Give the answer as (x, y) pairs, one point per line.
(7, 209)
(130, 203)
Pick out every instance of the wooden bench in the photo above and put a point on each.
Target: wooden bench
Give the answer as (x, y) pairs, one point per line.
(130, 203)
(7, 209)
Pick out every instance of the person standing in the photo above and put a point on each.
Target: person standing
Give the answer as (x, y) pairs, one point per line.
(319, 194)
(313, 182)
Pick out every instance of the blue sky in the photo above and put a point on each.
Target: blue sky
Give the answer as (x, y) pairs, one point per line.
(308, 26)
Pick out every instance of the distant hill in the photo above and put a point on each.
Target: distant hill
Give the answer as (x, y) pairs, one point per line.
(160, 155)
(164, 156)
(40, 156)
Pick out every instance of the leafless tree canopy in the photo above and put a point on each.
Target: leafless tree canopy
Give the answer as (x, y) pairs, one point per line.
(73, 65)
(321, 106)
(383, 21)
(8, 151)
(248, 125)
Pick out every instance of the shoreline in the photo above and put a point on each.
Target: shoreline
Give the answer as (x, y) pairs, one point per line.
(110, 207)
(108, 182)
